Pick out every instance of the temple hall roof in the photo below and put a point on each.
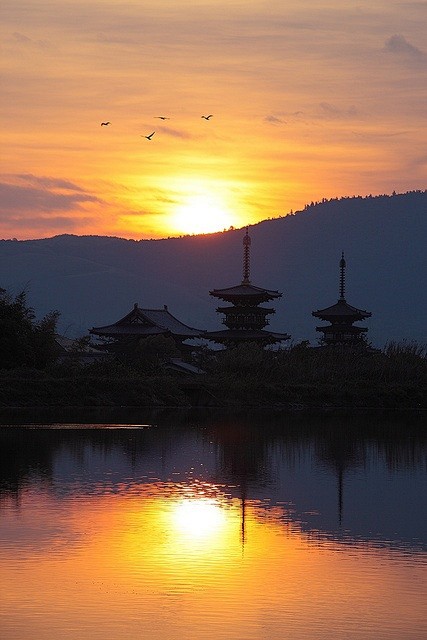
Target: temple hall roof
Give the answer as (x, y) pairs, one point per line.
(147, 322)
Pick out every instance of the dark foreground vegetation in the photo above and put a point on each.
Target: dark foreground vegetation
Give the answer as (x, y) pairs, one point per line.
(298, 378)
(31, 374)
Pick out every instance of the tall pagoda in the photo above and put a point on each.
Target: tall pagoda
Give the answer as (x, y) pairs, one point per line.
(245, 319)
(341, 316)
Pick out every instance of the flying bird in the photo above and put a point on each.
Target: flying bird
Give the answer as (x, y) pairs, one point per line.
(105, 124)
(162, 117)
(150, 136)
(207, 117)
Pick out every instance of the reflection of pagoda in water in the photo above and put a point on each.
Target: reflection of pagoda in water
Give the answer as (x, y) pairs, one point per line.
(245, 319)
(341, 316)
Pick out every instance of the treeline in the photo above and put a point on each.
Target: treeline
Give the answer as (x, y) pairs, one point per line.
(382, 196)
(293, 379)
(139, 373)
(304, 377)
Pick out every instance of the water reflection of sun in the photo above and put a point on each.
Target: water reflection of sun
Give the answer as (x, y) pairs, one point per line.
(198, 517)
(168, 561)
(185, 525)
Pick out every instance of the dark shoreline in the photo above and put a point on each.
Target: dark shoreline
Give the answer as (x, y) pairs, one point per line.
(297, 380)
(170, 394)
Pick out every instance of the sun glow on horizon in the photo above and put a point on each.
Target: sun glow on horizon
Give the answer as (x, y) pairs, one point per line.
(202, 213)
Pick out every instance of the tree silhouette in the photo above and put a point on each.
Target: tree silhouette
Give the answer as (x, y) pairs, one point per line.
(24, 341)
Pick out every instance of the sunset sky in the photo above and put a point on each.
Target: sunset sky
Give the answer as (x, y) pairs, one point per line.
(310, 99)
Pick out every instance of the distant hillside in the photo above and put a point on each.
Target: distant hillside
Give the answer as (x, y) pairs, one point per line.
(94, 280)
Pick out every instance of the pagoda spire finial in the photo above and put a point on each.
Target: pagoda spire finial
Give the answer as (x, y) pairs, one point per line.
(342, 277)
(246, 257)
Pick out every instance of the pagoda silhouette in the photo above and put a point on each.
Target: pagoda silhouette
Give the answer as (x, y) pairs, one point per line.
(245, 319)
(341, 316)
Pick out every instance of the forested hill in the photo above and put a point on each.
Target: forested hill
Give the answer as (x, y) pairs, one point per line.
(95, 280)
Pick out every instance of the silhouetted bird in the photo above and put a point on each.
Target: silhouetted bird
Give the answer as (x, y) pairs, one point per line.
(162, 117)
(105, 124)
(150, 136)
(207, 117)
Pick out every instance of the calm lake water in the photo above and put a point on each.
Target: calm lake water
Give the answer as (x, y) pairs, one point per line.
(213, 526)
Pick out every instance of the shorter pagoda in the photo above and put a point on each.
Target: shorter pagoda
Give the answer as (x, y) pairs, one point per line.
(245, 319)
(341, 316)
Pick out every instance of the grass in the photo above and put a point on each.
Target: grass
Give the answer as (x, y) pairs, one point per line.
(300, 377)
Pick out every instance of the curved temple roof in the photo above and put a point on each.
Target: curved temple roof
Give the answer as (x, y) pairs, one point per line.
(146, 322)
(245, 290)
(341, 309)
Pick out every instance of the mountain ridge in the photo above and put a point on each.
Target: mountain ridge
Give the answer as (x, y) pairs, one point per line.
(94, 280)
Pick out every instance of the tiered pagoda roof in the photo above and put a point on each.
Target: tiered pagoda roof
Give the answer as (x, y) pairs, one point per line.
(341, 317)
(245, 319)
(245, 292)
(339, 310)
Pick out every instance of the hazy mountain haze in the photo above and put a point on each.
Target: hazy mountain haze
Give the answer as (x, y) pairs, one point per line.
(95, 280)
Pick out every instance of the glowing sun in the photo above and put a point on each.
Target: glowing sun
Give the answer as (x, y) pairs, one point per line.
(201, 214)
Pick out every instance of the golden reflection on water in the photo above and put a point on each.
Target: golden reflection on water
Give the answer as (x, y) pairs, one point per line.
(197, 519)
(164, 561)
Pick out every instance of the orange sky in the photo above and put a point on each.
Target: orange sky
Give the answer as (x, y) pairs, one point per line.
(310, 99)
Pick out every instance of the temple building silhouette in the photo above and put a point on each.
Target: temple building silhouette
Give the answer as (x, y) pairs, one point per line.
(245, 319)
(341, 317)
(244, 316)
(143, 323)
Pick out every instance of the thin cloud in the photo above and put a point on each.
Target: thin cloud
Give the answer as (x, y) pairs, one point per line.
(418, 162)
(47, 182)
(51, 222)
(399, 46)
(19, 37)
(26, 41)
(175, 133)
(274, 120)
(332, 112)
(374, 136)
(20, 198)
